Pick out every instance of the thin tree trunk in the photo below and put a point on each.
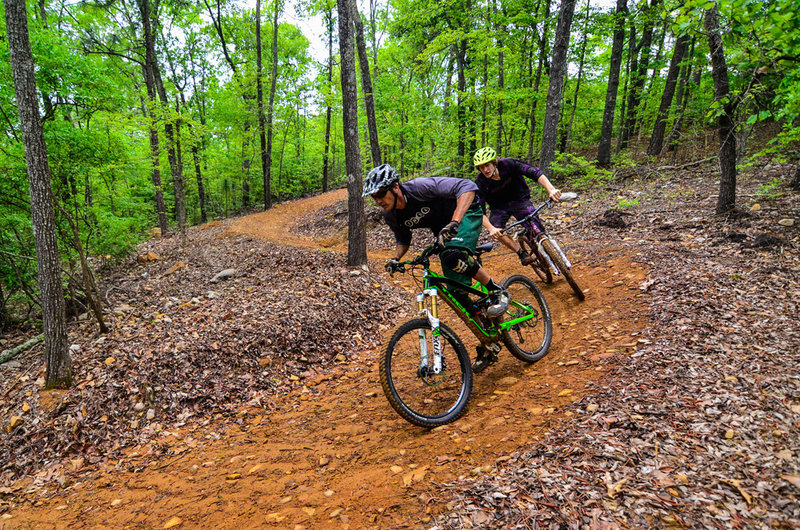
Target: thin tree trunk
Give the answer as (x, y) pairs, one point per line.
(795, 182)
(325, 156)
(357, 234)
(246, 163)
(58, 371)
(262, 126)
(148, 68)
(630, 63)
(201, 190)
(543, 52)
(89, 285)
(555, 93)
(727, 138)
(501, 84)
(682, 98)
(565, 147)
(607, 128)
(485, 109)
(461, 117)
(155, 71)
(657, 139)
(271, 108)
(639, 73)
(366, 87)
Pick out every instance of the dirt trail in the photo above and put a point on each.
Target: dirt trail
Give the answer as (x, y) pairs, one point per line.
(335, 454)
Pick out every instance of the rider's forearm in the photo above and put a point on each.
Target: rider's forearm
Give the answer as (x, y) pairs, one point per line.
(486, 223)
(545, 182)
(463, 203)
(400, 251)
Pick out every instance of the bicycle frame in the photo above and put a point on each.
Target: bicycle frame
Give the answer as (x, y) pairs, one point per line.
(539, 237)
(487, 331)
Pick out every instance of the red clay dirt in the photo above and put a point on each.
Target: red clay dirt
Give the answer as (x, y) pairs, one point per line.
(335, 454)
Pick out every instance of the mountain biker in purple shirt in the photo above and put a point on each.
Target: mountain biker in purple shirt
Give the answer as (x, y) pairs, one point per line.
(449, 208)
(501, 184)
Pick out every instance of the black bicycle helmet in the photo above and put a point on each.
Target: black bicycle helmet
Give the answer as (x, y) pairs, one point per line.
(381, 177)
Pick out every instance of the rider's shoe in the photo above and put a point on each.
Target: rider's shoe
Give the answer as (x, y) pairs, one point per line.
(524, 257)
(498, 303)
(485, 359)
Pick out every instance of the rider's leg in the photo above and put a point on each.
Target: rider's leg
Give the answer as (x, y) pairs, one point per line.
(499, 218)
(459, 264)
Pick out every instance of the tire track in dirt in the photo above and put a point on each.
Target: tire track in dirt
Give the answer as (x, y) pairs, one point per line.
(335, 454)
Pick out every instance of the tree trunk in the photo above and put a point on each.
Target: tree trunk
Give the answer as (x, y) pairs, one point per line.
(639, 74)
(795, 183)
(357, 235)
(271, 108)
(542, 58)
(4, 318)
(607, 128)
(246, 163)
(366, 86)
(262, 126)
(657, 139)
(89, 286)
(568, 135)
(501, 83)
(176, 170)
(555, 93)
(630, 66)
(58, 371)
(461, 115)
(727, 138)
(155, 150)
(682, 99)
(325, 155)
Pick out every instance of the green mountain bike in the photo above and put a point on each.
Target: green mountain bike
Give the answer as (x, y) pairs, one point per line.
(425, 371)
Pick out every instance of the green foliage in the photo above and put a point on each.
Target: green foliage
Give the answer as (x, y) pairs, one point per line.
(623, 160)
(579, 172)
(770, 191)
(623, 203)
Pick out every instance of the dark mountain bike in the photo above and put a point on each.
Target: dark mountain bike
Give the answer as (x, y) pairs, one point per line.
(537, 242)
(425, 371)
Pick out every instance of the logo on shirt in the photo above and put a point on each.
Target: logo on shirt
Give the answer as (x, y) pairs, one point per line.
(418, 217)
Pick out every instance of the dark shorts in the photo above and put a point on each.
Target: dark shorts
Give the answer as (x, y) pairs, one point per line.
(500, 216)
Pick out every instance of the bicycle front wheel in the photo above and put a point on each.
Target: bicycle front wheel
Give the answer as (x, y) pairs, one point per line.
(548, 247)
(419, 395)
(530, 340)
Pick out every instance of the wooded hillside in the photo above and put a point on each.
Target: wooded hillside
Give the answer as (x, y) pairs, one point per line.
(165, 114)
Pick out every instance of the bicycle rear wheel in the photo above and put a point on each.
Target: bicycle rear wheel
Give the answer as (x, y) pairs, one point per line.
(548, 247)
(414, 391)
(528, 341)
(539, 265)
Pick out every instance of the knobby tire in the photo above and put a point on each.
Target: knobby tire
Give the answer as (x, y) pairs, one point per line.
(528, 341)
(417, 399)
(548, 247)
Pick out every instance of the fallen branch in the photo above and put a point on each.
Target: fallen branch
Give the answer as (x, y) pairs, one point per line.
(690, 164)
(7, 355)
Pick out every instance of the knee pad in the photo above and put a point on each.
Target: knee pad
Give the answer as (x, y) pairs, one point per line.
(459, 260)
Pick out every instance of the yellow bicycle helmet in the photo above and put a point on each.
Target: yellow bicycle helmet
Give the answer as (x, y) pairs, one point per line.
(483, 155)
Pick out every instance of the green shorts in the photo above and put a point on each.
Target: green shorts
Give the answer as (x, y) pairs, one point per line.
(469, 231)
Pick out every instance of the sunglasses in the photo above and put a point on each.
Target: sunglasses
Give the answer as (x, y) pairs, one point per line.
(380, 194)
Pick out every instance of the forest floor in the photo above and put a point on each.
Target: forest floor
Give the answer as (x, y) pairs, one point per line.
(670, 396)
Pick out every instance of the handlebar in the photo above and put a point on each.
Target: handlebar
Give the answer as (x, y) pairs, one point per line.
(547, 204)
(434, 248)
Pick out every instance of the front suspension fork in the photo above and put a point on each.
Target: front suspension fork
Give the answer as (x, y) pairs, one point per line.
(436, 337)
(547, 257)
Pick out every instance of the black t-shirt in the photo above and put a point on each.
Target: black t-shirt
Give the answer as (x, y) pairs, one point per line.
(430, 203)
